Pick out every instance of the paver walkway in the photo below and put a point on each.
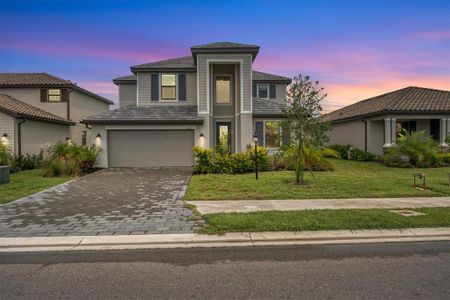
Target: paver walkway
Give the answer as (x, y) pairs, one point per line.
(208, 207)
(108, 202)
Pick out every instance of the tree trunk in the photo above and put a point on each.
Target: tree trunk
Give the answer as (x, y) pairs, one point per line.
(299, 165)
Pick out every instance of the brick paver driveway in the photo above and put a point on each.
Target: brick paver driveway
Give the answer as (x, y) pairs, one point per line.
(110, 201)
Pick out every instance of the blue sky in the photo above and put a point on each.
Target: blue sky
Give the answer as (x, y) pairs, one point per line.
(356, 49)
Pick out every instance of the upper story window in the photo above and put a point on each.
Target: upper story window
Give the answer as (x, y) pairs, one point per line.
(168, 87)
(223, 89)
(263, 91)
(54, 95)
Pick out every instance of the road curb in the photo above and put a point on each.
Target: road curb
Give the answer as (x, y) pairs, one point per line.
(238, 239)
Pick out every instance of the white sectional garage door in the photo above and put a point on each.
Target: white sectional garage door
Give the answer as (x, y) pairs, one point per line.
(150, 148)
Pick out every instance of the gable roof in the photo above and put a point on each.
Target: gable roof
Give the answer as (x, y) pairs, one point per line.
(43, 80)
(182, 63)
(155, 114)
(266, 77)
(19, 109)
(410, 99)
(267, 108)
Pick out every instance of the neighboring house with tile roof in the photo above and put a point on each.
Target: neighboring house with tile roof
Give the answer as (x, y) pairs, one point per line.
(167, 107)
(374, 124)
(40, 109)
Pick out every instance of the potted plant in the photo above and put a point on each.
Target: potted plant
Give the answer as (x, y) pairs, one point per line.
(4, 166)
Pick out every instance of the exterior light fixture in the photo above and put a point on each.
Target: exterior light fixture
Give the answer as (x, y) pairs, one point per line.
(5, 135)
(99, 135)
(201, 134)
(255, 140)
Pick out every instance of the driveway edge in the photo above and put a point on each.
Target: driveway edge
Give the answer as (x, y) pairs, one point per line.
(237, 239)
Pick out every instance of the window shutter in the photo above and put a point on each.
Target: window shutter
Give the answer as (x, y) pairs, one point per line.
(155, 87)
(65, 95)
(182, 87)
(259, 128)
(272, 91)
(255, 90)
(44, 95)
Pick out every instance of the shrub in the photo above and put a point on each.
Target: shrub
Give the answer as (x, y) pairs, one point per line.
(4, 154)
(342, 150)
(330, 153)
(313, 159)
(25, 162)
(70, 160)
(361, 155)
(211, 161)
(415, 148)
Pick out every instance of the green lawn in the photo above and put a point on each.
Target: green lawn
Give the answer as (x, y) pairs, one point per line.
(25, 183)
(352, 219)
(351, 179)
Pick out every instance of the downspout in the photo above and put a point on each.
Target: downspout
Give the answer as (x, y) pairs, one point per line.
(19, 136)
(365, 134)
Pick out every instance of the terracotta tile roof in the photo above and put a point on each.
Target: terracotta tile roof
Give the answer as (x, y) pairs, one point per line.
(43, 80)
(411, 99)
(19, 109)
(185, 62)
(32, 79)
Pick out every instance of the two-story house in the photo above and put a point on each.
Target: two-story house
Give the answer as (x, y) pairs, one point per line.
(167, 107)
(38, 110)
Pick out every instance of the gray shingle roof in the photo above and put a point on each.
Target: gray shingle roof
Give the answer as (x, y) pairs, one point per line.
(43, 80)
(19, 109)
(154, 114)
(261, 76)
(185, 62)
(224, 45)
(267, 108)
(410, 99)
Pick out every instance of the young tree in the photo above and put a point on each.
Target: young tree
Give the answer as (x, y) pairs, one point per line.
(304, 126)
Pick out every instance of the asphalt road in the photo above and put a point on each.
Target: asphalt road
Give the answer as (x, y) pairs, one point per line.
(376, 271)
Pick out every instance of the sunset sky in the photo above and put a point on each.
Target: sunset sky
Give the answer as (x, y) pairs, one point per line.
(356, 49)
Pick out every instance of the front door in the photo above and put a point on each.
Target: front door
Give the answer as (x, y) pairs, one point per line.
(223, 136)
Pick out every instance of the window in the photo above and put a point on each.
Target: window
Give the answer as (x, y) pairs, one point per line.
(54, 95)
(84, 138)
(168, 87)
(223, 89)
(262, 91)
(408, 126)
(272, 134)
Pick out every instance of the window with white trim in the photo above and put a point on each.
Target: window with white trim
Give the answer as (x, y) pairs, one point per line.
(223, 89)
(272, 134)
(168, 87)
(54, 95)
(263, 91)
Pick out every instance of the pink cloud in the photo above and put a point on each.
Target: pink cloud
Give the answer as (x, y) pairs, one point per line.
(431, 35)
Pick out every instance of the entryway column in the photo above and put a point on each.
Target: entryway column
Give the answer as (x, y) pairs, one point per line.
(387, 133)
(393, 131)
(443, 132)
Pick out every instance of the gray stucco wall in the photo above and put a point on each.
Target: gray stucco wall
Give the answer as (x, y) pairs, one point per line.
(352, 132)
(127, 94)
(33, 96)
(376, 137)
(7, 125)
(36, 134)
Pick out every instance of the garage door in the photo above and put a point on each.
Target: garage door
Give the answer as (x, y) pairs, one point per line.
(150, 148)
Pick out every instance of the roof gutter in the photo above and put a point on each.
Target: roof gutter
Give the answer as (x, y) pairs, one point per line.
(141, 122)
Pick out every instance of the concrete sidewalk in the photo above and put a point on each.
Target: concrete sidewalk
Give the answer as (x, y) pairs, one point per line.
(208, 207)
(238, 239)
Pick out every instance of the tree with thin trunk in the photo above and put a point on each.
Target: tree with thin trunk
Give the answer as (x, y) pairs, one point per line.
(304, 127)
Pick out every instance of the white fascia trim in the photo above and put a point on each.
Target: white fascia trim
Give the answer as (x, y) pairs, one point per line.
(251, 84)
(241, 63)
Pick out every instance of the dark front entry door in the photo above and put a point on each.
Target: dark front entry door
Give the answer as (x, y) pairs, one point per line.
(223, 135)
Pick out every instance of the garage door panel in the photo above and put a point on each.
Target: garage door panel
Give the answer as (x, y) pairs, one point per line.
(149, 148)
